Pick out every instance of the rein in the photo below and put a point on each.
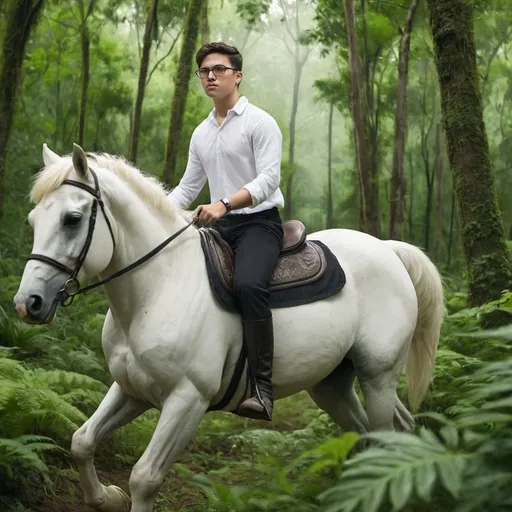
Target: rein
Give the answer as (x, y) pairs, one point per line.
(71, 287)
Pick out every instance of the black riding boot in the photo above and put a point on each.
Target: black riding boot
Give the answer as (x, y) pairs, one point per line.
(259, 339)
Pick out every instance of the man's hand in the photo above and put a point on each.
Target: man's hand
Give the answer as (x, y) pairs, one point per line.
(208, 213)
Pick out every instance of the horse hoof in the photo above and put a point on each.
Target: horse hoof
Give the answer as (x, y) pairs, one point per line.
(117, 500)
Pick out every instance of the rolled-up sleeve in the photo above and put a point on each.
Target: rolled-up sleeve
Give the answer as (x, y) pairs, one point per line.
(193, 179)
(267, 142)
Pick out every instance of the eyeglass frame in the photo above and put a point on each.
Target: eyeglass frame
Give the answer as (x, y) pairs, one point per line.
(210, 70)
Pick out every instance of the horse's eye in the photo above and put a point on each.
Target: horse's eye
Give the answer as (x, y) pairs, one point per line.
(72, 219)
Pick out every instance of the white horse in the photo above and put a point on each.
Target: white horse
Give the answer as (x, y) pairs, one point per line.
(170, 345)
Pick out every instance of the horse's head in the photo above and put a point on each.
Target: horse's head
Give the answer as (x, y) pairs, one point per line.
(74, 235)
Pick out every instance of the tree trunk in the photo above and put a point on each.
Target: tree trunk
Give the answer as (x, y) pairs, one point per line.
(84, 86)
(429, 176)
(359, 115)
(143, 71)
(450, 236)
(482, 233)
(57, 98)
(425, 153)
(288, 197)
(293, 118)
(411, 200)
(330, 220)
(181, 88)
(20, 18)
(440, 244)
(396, 205)
(205, 25)
(85, 44)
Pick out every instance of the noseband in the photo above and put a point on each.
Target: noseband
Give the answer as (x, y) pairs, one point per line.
(71, 287)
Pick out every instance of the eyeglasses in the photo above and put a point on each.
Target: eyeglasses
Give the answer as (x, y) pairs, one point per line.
(217, 70)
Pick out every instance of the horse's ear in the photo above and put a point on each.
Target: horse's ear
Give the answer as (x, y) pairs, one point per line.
(49, 157)
(80, 161)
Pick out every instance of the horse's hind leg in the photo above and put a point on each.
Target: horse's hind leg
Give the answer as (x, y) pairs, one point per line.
(379, 389)
(115, 410)
(337, 397)
(403, 419)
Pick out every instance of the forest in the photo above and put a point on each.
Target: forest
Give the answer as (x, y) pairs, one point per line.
(396, 118)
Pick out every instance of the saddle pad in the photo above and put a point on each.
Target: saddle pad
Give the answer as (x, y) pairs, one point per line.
(330, 283)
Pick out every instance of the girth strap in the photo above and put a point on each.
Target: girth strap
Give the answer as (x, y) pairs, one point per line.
(235, 381)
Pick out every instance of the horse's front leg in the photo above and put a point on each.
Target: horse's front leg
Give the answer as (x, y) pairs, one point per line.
(181, 414)
(115, 410)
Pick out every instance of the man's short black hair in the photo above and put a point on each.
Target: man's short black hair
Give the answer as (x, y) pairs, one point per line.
(225, 49)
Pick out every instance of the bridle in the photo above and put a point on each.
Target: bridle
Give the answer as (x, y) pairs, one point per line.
(71, 287)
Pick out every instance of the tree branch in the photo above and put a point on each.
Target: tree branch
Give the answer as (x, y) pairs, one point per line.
(404, 7)
(163, 58)
(60, 22)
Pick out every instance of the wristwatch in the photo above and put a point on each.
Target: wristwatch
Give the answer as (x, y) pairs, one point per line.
(226, 203)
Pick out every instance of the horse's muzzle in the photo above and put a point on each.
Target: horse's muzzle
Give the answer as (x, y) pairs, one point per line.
(33, 309)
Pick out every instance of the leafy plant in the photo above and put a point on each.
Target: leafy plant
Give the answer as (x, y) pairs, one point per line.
(21, 460)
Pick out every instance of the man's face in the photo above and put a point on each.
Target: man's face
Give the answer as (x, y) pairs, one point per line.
(220, 82)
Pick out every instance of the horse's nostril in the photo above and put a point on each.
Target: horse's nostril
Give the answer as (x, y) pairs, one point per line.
(34, 304)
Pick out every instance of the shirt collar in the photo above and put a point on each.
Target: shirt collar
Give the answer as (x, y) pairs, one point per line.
(238, 108)
(240, 105)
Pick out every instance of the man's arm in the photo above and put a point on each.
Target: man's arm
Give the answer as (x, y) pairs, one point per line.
(193, 179)
(267, 142)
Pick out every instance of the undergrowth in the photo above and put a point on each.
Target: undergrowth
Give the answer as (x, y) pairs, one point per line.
(53, 378)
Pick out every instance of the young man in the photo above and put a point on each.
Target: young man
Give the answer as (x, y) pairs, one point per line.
(238, 150)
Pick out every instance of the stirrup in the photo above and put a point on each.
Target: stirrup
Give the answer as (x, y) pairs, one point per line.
(252, 409)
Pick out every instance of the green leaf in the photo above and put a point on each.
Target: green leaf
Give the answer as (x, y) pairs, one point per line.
(374, 498)
(424, 479)
(400, 490)
(450, 474)
(450, 435)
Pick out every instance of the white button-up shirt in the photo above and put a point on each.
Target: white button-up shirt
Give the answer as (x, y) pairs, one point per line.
(244, 152)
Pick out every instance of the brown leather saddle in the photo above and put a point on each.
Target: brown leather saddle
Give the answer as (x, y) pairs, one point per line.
(301, 261)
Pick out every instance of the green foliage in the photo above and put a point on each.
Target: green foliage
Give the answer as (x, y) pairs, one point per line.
(41, 402)
(21, 460)
(39, 411)
(251, 11)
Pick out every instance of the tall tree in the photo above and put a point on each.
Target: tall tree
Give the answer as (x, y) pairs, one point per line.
(396, 203)
(85, 8)
(299, 51)
(370, 206)
(426, 126)
(181, 85)
(20, 19)
(333, 92)
(151, 25)
(483, 240)
(439, 241)
(205, 24)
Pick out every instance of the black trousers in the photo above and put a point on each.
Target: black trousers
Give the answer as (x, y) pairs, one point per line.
(256, 240)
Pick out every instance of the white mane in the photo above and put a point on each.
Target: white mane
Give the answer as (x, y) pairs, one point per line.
(147, 187)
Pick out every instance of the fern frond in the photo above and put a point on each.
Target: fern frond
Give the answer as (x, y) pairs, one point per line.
(401, 469)
(62, 381)
(10, 369)
(22, 454)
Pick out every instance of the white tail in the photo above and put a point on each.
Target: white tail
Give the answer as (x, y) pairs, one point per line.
(431, 310)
